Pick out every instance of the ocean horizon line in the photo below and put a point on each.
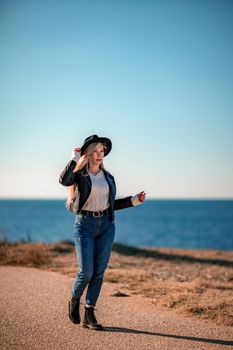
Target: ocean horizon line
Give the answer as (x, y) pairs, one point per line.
(147, 199)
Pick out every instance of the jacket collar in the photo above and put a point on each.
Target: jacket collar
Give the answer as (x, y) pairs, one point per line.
(87, 178)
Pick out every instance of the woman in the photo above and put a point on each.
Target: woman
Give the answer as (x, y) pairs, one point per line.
(94, 227)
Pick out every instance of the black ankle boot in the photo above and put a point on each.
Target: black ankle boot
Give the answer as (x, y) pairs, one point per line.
(74, 314)
(90, 320)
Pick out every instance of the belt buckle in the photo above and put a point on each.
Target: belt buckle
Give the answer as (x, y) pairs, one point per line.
(97, 214)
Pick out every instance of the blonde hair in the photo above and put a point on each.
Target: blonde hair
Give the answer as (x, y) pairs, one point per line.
(83, 163)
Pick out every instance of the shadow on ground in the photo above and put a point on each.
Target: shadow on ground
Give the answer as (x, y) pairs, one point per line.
(174, 336)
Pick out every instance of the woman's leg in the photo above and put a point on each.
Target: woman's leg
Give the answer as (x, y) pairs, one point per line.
(84, 244)
(102, 251)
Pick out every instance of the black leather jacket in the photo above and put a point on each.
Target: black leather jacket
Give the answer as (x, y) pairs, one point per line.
(83, 181)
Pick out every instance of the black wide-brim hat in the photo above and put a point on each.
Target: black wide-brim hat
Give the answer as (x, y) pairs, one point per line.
(95, 138)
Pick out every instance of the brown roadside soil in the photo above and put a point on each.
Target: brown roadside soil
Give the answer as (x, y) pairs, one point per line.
(195, 283)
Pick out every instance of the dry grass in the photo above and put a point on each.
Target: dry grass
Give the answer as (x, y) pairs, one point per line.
(197, 283)
(33, 254)
(25, 254)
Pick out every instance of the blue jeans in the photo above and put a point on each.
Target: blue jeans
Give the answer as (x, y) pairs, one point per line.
(93, 239)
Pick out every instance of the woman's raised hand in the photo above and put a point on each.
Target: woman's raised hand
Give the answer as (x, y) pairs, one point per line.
(141, 196)
(82, 161)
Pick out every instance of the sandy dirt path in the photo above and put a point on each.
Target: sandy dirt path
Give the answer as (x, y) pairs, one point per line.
(33, 315)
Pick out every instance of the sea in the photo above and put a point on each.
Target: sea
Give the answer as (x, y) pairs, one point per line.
(196, 224)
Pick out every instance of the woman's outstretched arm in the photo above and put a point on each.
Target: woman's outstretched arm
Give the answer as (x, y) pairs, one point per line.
(130, 201)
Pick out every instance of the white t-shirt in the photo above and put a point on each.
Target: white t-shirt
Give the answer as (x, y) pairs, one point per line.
(99, 196)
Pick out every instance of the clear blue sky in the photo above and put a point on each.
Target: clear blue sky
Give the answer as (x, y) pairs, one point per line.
(154, 76)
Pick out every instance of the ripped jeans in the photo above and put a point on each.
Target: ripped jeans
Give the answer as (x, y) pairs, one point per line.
(93, 239)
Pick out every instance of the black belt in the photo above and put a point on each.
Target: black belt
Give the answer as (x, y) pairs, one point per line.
(96, 214)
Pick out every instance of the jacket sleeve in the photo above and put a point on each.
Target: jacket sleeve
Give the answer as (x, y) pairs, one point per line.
(67, 177)
(123, 203)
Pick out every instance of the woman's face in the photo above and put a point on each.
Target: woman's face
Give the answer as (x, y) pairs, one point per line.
(98, 155)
